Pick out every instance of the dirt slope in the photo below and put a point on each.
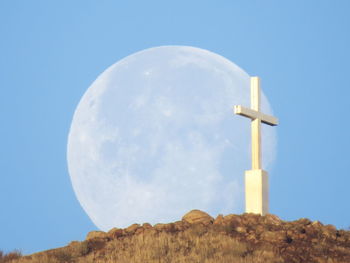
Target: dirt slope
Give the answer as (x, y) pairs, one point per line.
(200, 238)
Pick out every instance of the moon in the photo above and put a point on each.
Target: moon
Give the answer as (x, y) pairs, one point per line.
(155, 136)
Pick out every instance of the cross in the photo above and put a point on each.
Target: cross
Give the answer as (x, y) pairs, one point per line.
(256, 183)
(257, 118)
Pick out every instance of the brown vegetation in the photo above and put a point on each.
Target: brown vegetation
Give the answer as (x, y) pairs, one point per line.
(199, 238)
(7, 257)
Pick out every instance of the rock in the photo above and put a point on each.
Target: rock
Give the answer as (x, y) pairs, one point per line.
(165, 227)
(289, 233)
(268, 235)
(272, 219)
(250, 219)
(96, 235)
(241, 229)
(251, 237)
(303, 221)
(273, 236)
(146, 226)
(329, 231)
(340, 234)
(314, 240)
(159, 226)
(331, 228)
(197, 216)
(73, 243)
(180, 225)
(231, 217)
(139, 230)
(312, 231)
(233, 220)
(131, 229)
(219, 220)
(115, 232)
(317, 224)
(259, 229)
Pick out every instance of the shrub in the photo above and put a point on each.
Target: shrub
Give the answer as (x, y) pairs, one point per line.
(80, 249)
(7, 257)
(197, 230)
(63, 255)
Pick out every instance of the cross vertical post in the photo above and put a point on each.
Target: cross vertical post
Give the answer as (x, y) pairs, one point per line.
(256, 123)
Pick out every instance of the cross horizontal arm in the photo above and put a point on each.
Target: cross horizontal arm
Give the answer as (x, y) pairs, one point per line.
(253, 114)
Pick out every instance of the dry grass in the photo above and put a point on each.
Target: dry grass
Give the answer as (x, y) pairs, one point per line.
(240, 239)
(62, 255)
(191, 246)
(8, 257)
(194, 245)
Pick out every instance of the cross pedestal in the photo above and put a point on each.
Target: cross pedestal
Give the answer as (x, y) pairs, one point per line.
(256, 179)
(256, 192)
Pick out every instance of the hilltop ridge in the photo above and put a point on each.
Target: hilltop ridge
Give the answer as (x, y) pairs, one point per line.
(200, 238)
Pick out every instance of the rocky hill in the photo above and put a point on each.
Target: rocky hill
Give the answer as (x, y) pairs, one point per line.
(200, 238)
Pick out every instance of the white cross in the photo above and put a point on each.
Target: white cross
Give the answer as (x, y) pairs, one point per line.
(256, 179)
(257, 118)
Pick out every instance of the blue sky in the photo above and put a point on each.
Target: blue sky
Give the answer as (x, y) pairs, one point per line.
(51, 51)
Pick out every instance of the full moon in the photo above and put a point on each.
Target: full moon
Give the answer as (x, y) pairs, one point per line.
(155, 136)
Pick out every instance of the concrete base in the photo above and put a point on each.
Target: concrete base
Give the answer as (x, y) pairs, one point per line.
(256, 192)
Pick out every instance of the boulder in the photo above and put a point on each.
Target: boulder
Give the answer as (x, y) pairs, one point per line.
(165, 227)
(131, 229)
(160, 227)
(251, 219)
(139, 230)
(234, 220)
(272, 219)
(74, 243)
(197, 216)
(146, 225)
(273, 236)
(241, 229)
(231, 217)
(219, 220)
(115, 232)
(317, 224)
(303, 221)
(181, 225)
(96, 235)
